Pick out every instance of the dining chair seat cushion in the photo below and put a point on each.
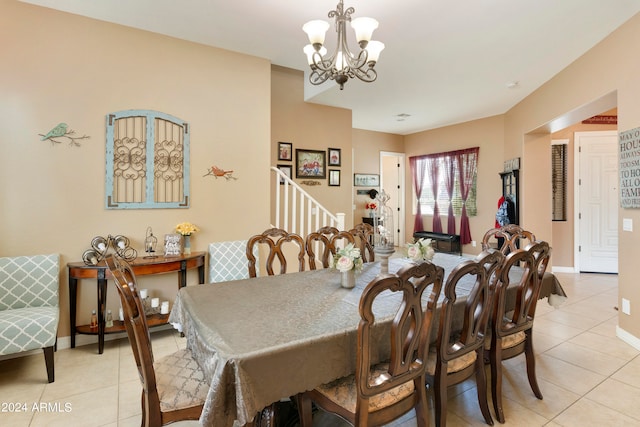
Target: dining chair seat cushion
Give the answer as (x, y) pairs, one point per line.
(180, 381)
(343, 391)
(455, 365)
(508, 341)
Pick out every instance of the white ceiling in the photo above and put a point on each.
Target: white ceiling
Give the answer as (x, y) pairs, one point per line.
(445, 61)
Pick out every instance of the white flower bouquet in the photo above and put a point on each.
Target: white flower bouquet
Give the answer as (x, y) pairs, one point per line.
(422, 250)
(347, 259)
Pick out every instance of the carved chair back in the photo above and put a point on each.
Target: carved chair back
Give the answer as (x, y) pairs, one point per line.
(277, 242)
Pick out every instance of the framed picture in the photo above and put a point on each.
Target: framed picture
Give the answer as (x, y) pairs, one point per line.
(311, 164)
(334, 177)
(335, 156)
(286, 169)
(285, 151)
(366, 180)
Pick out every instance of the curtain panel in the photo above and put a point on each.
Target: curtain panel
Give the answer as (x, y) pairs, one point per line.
(444, 166)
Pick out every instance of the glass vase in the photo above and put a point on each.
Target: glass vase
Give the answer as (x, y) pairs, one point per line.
(187, 245)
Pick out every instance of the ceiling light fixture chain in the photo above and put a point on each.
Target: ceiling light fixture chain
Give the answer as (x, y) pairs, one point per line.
(342, 64)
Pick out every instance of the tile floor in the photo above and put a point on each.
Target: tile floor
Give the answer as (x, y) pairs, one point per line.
(587, 375)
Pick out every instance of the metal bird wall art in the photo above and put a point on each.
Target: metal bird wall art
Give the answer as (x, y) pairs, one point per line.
(62, 131)
(216, 172)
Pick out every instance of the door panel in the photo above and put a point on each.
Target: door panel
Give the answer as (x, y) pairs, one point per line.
(598, 202)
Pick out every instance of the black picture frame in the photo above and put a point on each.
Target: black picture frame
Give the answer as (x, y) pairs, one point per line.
(285, 151)
(366, 180)
(287, 169)
(334, 177)
(334, 157)
(311, 164)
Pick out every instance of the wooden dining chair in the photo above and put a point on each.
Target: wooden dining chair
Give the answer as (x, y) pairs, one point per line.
(321, 245)
(277, 242)
(459, 350)
(512, 329)
(174, 387)
(380, 392)
(363, 236)
(507, 238)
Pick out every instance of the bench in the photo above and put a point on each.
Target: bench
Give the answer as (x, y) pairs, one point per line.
(448, 243)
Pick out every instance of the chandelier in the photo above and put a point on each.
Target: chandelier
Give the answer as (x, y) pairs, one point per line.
(343, 64)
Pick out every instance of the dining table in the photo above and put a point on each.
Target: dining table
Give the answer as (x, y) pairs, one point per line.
(264, 339)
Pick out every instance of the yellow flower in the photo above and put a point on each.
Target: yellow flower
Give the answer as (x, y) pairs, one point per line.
(186, 228)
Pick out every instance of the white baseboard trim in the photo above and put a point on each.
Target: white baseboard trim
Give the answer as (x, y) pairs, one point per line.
(558, 269)
(625, 336)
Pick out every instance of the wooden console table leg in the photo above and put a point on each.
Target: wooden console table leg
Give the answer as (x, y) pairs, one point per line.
(102, 304)
(182, 275)
(73, 294)
(201, 274)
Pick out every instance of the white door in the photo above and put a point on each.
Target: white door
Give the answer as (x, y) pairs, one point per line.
(597, 238)
(391, 181)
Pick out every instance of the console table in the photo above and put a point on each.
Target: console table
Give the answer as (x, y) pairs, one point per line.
(141, 267)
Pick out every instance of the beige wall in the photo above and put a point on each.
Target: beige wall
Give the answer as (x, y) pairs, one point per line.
(367, 146)
(59, 67)
(611, 66)
(313, 127)
(488, 134)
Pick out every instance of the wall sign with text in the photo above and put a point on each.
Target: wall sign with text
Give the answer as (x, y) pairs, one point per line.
(629, 168)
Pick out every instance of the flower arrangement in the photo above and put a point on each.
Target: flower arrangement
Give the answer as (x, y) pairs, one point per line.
(371, 205)
(347, 259)
(186, 228)
(422, 250)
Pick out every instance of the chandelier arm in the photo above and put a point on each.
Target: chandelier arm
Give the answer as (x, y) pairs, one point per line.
(318, 77)
(369, 75)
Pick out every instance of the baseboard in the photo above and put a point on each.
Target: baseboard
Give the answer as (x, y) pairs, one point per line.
(557, 269)
(625, 336)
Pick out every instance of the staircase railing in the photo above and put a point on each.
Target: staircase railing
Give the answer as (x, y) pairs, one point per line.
(297, 212)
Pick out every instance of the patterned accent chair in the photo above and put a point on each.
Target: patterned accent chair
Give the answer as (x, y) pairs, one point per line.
(29, 305)
(228, 261)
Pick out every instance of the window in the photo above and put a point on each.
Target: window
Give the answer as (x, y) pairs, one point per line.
(559, 180)
(147, 160)
(427, 198)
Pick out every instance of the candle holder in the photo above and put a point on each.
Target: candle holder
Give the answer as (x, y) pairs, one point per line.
(150, 243)
(100, 248)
